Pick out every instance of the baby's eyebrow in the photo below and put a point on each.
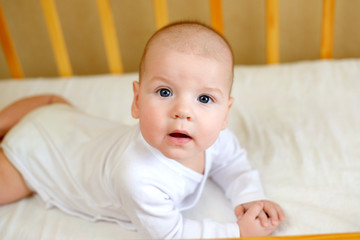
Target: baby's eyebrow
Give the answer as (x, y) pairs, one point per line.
(215, 90)
(161, 79)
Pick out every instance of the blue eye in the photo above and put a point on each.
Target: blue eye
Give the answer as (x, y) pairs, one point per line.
(164, 92)
(204, 99)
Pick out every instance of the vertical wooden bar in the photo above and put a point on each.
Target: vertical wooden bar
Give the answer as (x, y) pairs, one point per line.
(327, 33)
(216, 15)
(272, 31)
(56, 37)
(9, 49)
(161, 13)
(109, 35)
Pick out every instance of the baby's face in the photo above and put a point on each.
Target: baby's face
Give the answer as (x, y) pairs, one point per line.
(182, 102)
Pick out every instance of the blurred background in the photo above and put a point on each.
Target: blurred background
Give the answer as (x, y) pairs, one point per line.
(244, 27)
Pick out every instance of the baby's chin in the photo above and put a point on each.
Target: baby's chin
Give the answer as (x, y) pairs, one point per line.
(176, 155)
(181, 155)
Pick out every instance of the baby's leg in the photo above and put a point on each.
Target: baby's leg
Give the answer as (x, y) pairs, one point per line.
(12, 184)
(13, 113)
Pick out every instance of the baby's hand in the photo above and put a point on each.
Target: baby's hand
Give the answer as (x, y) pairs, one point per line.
(249, 223)
(270, 211)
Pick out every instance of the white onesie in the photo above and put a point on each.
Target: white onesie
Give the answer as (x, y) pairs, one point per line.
(100, 170)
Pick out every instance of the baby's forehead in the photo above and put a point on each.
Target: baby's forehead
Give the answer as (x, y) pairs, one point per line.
(159, 58)
(193, 39)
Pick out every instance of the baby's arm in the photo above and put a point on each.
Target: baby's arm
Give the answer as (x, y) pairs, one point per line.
(271, 211)
(242, 184)
(13, 113)
(250, 225)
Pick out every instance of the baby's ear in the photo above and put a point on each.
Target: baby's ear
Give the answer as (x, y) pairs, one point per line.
(135, 103)
(231, 100)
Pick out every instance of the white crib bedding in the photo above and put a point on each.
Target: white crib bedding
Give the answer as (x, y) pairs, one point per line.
(299, 122)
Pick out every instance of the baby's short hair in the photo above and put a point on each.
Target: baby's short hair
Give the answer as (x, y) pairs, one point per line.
(192, 37)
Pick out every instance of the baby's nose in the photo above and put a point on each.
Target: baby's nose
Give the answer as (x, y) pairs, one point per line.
(183, 116)
(182, 110)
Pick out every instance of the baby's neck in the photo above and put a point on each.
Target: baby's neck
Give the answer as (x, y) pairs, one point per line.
(196, 163)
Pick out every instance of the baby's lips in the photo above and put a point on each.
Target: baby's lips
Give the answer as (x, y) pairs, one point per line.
(179, 134)
(179, 138)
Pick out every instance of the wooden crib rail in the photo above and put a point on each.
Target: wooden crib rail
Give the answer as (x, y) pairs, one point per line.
(272, 31)
(327, 36)
(113, 53)
(216, 15)
(57, 38)
(335, 236)
(161, 13)
(109, 34)
(9, 49)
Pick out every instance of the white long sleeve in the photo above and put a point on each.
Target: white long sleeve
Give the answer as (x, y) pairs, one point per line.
(231, 170)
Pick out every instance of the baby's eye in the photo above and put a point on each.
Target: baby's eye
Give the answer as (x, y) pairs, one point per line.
(204, 99)
(164, 92)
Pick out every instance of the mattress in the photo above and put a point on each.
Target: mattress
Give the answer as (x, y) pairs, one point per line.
(299, 122)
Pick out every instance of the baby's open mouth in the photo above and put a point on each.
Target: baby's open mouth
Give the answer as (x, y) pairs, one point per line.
(179, 138)
(179, 135)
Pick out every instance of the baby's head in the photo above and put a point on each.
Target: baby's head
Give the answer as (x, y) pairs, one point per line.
(193, 38)
(183, 97)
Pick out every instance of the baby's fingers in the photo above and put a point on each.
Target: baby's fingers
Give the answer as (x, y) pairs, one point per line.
(275, 213)
(264, 220)
(254, 210)
(239, 211)
(280, 213)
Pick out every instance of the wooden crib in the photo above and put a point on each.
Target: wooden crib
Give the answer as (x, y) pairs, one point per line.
(116, 72)
(110, 40)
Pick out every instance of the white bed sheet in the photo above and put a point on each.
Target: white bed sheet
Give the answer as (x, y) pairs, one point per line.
(300, 123)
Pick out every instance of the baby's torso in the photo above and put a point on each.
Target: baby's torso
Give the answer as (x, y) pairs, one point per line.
(83, 164)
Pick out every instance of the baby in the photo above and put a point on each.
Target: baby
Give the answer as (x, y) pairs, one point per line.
(142, 177)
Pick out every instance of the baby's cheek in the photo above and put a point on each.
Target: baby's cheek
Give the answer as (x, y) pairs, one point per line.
(208, 137)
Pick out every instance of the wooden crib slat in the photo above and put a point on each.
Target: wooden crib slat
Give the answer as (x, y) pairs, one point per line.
(110, 39)
(56, 37)
(216, 15)
(327, 32)
(272, 31)
(161, 13)
(9, 48)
